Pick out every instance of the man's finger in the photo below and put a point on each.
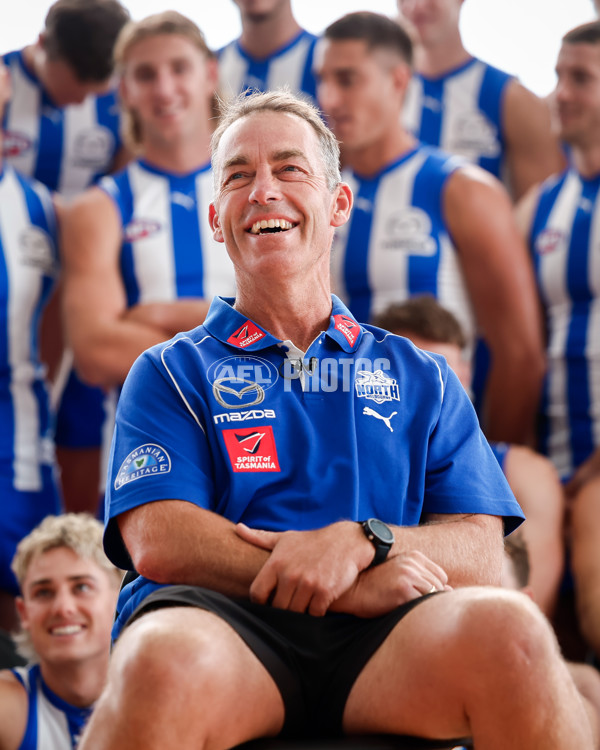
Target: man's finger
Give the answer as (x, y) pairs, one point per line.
(258, 537)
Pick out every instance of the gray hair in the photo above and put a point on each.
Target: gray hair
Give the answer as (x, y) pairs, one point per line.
(281, 100)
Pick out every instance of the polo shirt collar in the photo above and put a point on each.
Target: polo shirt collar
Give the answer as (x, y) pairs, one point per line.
(229, 326)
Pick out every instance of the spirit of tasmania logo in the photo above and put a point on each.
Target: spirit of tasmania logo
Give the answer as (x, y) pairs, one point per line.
(146, 461)
(375, 386)
(348, 327)
(246, 334)
(252, 449)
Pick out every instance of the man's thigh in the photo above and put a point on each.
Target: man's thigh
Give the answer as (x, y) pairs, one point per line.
(411, 684)
(203, 652)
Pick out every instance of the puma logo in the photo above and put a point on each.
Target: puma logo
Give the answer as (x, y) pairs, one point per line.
(372, 413)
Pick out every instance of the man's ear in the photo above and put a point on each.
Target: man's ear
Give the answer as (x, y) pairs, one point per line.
(22, 611)
(342, 206)
(215, 224)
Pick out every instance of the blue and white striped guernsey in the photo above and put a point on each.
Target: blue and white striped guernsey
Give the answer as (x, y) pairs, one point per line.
(168, 250)
(461, 112)
(65, 148)
(289, 66)
(396, 244)
(52, 723)
(565, 243)
(28, 267)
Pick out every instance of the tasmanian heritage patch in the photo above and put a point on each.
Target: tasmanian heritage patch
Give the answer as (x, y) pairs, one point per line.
(146, 461)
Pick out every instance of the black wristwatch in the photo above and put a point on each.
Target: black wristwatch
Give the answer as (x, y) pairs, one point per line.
(381, 537)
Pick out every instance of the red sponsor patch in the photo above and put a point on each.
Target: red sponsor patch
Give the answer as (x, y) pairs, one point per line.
(246, 334)
(15, 144)
(548, 240)
(348, 327)
(252, 449)
(139, 229)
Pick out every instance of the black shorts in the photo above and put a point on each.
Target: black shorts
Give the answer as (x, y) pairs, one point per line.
(314, 661)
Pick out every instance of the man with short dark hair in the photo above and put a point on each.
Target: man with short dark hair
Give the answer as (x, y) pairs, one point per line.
(560, 219)
(307, 501)
(427, 222)
(62, 127)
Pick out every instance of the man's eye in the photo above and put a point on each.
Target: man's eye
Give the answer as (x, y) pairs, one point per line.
(83, 587)
(42, 593)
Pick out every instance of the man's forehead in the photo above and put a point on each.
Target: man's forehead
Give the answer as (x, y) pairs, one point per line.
(580, 52)
(286, 133)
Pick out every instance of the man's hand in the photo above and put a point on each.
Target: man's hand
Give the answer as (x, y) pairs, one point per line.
(400, 579)
(308, 570)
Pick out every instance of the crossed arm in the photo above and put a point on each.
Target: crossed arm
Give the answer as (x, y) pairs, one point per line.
(174, 541)
(105, 334)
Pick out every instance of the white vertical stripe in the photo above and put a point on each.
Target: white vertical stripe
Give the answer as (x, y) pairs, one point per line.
(78, 120)
(24, 118)
(388, 267)
(461, 94)
(218, 268)
(153, 255)
(24, 284)
(338, 248)
(232, 71)
(288, 69)
(412, 109)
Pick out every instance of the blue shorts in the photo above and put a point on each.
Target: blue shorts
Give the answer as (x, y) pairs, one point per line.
(81, 415)
(21, 513)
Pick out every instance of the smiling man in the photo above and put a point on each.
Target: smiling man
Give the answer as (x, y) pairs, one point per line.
(288, 565)
(140, 261)
(68, 592)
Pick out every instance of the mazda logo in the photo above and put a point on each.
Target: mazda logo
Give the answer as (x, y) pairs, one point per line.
(249, 387)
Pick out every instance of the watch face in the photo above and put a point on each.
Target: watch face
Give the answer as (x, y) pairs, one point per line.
(381, 530)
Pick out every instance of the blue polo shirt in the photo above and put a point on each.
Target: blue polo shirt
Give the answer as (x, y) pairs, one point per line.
(240, 423)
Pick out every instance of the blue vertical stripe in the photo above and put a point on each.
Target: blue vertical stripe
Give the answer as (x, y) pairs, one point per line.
(50, 146)
(309, 83)
(578, 386)
(427, 195)
(356, 271)
(491, 101)
(431, 115)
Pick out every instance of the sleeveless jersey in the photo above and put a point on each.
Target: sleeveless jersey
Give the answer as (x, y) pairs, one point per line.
(52, 723)
(28, 266)
(168, 250)
(461, 113)
(291, 65)
(396, 244)
(565, 243)
(65, 148)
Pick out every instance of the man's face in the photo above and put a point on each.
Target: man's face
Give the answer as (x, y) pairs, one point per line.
(576, 99)
(360, 91)
(432, 21)
(260, 10)
(168, 83)
(67, 606)
(63, 85)
(273, 208)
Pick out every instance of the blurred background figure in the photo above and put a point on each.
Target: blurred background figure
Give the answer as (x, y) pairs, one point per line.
(273, 51)
(531, 476)
(62, 127)
(426, 222)
(560, 219)
(467, 107)
(28, 270)
(68, 593)
(141, 263)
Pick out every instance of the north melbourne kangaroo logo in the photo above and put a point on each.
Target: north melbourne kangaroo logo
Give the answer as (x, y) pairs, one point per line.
(372, 413)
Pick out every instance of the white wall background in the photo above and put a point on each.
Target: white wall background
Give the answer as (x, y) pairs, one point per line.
(519, 36)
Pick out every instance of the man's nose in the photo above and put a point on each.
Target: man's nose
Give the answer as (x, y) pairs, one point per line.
(327, 96)
(265, 187)
(63, 603)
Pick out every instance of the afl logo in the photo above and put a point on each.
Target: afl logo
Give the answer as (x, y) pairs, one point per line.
(15, 144)
(241, 382)
(549, 240)
(140, 229)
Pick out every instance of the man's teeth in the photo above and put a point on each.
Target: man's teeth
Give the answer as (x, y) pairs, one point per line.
(280, 224)
(67, 630)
